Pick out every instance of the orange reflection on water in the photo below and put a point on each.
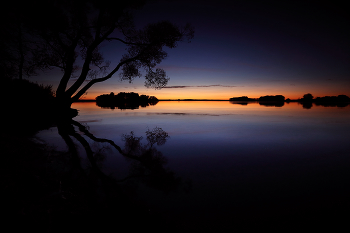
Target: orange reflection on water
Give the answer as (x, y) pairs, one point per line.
(217, 107)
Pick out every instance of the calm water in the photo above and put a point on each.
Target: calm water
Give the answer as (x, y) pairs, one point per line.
(235, 161)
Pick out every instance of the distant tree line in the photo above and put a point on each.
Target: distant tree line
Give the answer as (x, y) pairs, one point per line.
(242, 98)
(306, 98)
(125, 100)
(275, 98)
(328, 101)
(340, 98)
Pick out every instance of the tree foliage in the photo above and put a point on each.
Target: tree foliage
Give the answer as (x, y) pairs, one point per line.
(71, 33)
(308, 97)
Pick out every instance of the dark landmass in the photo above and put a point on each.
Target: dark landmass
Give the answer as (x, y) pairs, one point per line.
(272, 101)
(125, 100)
(27, 107)
(307, 101)
(242, 98)
(268, 101)
(275, 98)
(327, 101)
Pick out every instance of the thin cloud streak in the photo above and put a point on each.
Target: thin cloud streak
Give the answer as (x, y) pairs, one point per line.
(189, 114)
(216, 85)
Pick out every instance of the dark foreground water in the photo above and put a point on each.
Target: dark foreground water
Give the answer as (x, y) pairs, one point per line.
(236, 164)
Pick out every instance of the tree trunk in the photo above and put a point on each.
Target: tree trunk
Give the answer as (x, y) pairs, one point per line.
(64, 112)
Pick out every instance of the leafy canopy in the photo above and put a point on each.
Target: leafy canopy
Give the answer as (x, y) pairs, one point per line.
(69, 35)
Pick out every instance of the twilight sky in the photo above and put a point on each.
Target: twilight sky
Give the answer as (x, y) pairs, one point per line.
(244, 48)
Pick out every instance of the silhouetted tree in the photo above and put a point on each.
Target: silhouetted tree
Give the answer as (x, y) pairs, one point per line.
(278, 98)
(71, 33)
(125, 100)
(308, 97)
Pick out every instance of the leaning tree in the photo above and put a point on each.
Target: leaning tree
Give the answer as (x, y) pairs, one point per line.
(71, 34)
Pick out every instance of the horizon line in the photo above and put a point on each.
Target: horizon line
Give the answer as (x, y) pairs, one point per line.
(189, 99)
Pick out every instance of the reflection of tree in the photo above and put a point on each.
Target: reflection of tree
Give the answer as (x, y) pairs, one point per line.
(241, 102)
(272, 104)
(97, 197)
(307, 105)
(147, 162)
(126, 105)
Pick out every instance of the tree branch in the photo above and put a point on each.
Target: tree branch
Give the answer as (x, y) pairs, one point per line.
(69, 68)
(86, 66)
(89, 154)
(92, 82)
(91, 136)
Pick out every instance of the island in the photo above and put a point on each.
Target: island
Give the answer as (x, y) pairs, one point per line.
(307, 100)
(125, 100)
(268, 100)
(242, 98)
(327, 101)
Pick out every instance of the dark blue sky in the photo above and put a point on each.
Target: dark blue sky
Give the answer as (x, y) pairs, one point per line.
(248, 48)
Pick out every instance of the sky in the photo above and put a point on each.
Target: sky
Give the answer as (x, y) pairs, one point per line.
(243, 48)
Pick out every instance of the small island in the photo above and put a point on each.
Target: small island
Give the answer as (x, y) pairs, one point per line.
(268, 100)
(125, 100)
(307, 100)
(327, 101)
(242, 98)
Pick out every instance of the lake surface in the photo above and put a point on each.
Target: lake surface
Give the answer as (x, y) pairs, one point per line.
(237, 163)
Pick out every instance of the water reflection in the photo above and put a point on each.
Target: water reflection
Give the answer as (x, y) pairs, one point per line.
(307, 105)
(333, 104)
(262, 103)
(272, 104)
(242, 102)
(123, 106)
(108, 199)
(147, 163)
(249, 164)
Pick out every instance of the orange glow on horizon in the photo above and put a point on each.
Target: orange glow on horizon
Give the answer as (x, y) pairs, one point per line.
(214, 96)
(216, 107)
(221, 93)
